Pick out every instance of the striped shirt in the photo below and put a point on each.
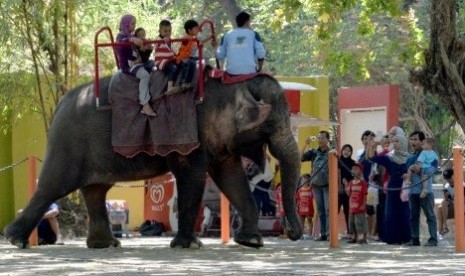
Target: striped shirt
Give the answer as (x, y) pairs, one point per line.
(164, 54)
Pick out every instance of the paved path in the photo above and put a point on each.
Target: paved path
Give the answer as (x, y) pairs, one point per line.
(152, 256)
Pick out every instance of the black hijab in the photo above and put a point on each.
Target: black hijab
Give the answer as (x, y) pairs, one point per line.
(348, 163)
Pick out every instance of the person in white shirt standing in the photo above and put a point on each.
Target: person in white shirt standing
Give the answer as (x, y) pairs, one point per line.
(242, 48)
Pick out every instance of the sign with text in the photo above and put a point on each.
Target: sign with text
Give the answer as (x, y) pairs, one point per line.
(161, 201)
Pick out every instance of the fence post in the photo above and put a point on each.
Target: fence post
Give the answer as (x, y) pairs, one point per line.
(333, 198)
(225, 215)
(32, 176)
(458, 200)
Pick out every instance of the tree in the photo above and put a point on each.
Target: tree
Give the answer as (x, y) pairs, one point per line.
(46, 29)
(356, 42)
(444, 69)
(371, 42)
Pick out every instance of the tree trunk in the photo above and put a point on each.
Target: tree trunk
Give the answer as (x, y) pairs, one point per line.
(232, 9)
(443, 73)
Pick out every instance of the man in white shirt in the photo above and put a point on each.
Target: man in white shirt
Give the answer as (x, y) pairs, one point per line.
(242, 48)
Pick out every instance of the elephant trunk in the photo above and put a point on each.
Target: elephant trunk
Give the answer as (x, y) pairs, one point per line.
(284, 148)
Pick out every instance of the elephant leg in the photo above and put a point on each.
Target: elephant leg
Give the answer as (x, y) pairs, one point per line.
(19, 231)
(230, 179)
(190, 176)
(100, 235)
(49, 189)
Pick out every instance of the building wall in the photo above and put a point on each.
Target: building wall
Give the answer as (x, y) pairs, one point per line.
(6, 180)
(28, 139)
(315, 104)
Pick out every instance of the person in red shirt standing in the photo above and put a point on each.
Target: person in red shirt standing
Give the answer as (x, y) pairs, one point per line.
(278, 197)
(304, 199)
(357, 191)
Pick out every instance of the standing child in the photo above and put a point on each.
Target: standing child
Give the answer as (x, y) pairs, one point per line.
(145, 51)
(357, 191)
(165, 57)
(131, 63)
(427, 162)
(304, 198)
(189, 53)
(280, 209)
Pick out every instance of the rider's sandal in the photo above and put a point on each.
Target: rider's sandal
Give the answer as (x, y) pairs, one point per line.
(173, 90)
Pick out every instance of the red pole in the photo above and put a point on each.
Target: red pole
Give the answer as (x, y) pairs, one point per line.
(458, 200)
(96, 75)
(32, 176)
(333, 198)
(225, 215)
(96, 47)
(200, 78)
(212, 29)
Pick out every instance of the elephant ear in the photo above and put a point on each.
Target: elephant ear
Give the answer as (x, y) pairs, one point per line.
(250, 113)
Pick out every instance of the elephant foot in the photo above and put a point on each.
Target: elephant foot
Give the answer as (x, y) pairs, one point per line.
(186, 242)
(102, 243)
(294, 235)
(249, 239)
(16, 238)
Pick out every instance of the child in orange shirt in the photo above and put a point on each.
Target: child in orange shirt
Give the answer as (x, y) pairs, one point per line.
(188, 53)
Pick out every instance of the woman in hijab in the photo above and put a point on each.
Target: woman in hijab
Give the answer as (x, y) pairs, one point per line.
(345, 176)
(397, 214)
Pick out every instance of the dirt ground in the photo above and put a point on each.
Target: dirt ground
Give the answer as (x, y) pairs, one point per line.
(152, 256)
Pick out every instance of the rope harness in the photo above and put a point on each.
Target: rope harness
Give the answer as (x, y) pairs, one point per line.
(147, 184)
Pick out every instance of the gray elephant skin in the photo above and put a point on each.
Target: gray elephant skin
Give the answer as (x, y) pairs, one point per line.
(234, 120)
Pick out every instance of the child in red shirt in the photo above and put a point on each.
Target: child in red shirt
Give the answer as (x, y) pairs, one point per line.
(304, 199)
(357, 191)
(278, 197)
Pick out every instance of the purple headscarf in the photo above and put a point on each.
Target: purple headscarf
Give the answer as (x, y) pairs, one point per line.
(124, 23)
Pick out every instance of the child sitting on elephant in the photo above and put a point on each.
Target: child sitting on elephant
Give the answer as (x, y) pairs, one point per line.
(188, 53)
(165, 57)
(145, 51)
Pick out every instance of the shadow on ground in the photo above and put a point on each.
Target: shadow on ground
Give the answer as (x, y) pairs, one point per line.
(152, 256)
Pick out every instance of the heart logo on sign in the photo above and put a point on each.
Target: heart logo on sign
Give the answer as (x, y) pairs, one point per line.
(157, 192)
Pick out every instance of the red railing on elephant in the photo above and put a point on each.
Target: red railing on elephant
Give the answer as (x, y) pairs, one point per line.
(213, 34)
(98, 45)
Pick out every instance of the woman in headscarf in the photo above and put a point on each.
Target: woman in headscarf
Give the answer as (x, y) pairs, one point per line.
(345, 176)
(397, 214)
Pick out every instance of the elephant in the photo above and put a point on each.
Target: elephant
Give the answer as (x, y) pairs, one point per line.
(234, 120)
